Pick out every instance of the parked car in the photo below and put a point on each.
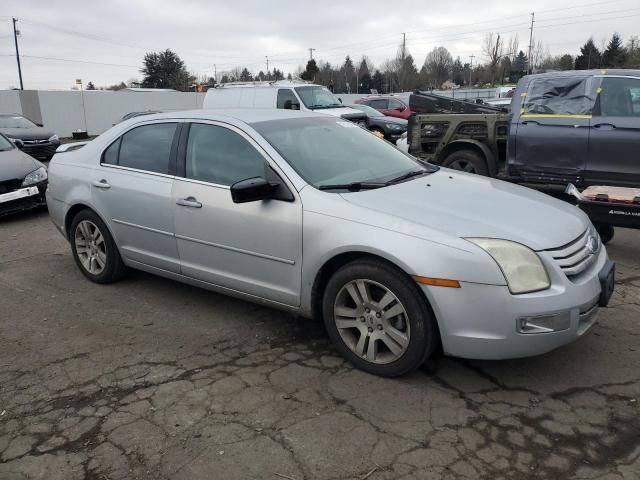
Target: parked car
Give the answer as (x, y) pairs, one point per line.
(579, 127)
(284, 94)
(389, 105)
(23, 179)
(39, 142)
(387, 127)
(311, 214)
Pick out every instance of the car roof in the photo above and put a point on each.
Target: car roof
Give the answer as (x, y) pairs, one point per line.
(246, 115)
(587, 73)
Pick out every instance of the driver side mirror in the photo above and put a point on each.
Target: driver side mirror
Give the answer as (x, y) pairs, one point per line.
(252, 190)
(401, 108)
(18, 143)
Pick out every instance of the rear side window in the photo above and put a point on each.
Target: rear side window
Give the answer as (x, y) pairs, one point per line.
(559, 96)
(619, 97)
(147, 147)
(110, 155)
(287, 100)
(395, 104)
(219, 155)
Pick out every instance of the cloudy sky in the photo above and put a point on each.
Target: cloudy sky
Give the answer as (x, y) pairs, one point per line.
(104, 42)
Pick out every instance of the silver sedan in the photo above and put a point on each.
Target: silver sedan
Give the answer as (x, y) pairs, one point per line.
(311, 214)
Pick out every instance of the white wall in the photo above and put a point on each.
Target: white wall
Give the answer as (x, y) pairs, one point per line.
(10, 102)
(62, 111)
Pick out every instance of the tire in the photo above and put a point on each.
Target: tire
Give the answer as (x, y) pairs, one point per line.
(90, 237)
(467, 161)
(396, 343)
(606, 233)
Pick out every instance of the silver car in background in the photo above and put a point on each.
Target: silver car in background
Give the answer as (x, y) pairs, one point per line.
(312, 214)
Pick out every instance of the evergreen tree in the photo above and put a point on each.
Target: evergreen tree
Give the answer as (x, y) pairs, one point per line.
(311, 71)
(245, 76)
(565, 62)
(589, 56)
(615, 54)
(518, 67)
(348, 75)
(457, 72)
(377, 81)
(90, 86)
(164, 70)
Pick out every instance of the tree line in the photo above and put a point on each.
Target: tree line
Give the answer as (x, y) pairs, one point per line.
(505, 62)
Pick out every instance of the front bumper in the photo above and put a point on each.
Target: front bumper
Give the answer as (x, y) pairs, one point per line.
(25, 199)
(481, 321)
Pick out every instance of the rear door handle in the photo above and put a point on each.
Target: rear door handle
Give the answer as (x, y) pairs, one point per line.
(604, 126)
(103, 184)
(189, 202)
(530, 122)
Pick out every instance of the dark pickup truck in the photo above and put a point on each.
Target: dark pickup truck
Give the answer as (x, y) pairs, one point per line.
(579, 127)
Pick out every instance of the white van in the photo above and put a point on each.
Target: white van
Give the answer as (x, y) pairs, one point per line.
(285, 94)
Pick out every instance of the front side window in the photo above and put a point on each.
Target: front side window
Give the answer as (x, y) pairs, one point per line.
(335, 151)
(5, 144)
(619, 97)
(559, 96)
(316, 97)
(395, 104)
(287, 99)
(222, 156)
(148, 147)
(110, 155)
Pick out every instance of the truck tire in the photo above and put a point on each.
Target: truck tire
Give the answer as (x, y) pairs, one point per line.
(606, 232)
(467, 161)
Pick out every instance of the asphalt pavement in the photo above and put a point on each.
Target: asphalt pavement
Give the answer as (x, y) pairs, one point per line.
(151, 379)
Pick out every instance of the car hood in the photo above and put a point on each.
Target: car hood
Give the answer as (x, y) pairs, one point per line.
(35, 133)
(467, 205)
(344, 112)
(16, 164)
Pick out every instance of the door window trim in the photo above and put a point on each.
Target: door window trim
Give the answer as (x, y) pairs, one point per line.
(172, 155)
(182, 155)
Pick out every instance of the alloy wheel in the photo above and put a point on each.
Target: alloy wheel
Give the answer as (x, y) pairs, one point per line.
(463, 166)
(90, 247)
(372, 321)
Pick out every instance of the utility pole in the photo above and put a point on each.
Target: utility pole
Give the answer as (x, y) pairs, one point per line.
(471, 57)
(215, 73)
(530, 69)
(15, 41)
(404, 46)
(267, 58)
(311, 50)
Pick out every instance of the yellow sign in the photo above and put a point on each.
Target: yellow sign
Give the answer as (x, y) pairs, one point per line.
(78, 81)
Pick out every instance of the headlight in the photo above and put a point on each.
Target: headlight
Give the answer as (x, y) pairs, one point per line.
(37, 176)
(521, 266)
(393, 126)
(54, 138)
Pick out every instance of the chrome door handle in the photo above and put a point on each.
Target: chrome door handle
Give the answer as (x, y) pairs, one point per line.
(189, 202)
(604, 126)
(101, 184)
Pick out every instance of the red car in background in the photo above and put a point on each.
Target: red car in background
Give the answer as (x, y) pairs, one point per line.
(389, 105)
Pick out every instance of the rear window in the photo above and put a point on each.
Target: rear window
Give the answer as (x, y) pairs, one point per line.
(559, 96)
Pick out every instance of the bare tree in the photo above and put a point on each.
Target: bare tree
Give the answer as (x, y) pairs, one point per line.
(540, 54)
(513, 47)
(493, 48)
(438, 63)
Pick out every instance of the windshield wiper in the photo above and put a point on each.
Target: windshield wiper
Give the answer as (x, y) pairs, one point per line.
(353, 186)
(406, 176)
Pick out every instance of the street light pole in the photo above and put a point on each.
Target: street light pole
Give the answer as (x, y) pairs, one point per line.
(15, 41)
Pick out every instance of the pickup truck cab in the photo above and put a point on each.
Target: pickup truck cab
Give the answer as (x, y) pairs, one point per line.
(284, 94)
(580, 127)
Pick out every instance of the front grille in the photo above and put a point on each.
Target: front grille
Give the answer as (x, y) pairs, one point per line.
(41, 152)
(576, 256)
(10, 185)
(34, 142)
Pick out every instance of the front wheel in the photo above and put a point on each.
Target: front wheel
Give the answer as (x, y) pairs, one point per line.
(378, 319)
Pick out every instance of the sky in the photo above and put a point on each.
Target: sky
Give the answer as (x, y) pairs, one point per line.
(104, 42)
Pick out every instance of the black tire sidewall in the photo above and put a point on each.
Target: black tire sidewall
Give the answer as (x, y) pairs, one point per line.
(469, 156)
(113, 264)
(423, 337)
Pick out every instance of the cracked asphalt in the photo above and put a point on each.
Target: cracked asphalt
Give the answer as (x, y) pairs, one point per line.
(152, 379)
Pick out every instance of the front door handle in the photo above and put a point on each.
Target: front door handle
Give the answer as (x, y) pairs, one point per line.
(604, 126)
(189, 202)
(103, 184)
(530, 122)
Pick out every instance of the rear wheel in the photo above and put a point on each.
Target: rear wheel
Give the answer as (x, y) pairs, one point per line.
(378, 318)
(94, 250)
(606, 233)
(467, 161)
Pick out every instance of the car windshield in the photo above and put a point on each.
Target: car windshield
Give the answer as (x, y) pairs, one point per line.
(5, 144)
(333, 151)
(371, 112)
(315, 97)
(15, 121)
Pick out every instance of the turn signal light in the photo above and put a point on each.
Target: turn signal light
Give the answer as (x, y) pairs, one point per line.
(437, 282)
